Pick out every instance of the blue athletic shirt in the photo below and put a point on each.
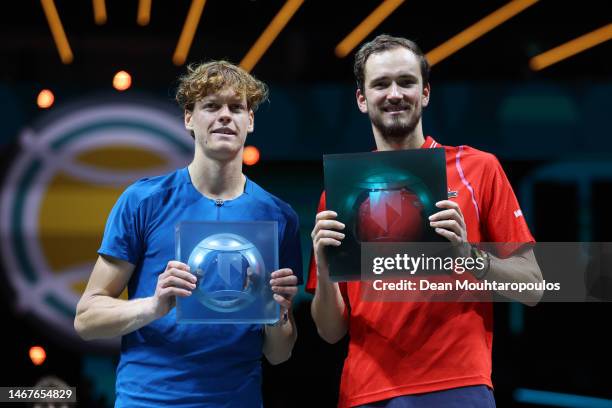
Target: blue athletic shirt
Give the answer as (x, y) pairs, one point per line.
(183, 365)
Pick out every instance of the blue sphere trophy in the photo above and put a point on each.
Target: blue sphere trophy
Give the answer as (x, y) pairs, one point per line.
(232, 262)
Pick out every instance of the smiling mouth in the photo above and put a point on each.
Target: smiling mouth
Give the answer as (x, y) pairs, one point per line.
(224, 131)
(395, 109)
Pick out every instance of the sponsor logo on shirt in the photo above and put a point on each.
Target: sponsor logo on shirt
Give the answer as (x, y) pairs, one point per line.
(518, 213)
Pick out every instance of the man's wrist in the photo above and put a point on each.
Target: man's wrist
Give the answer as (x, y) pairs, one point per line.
(482, 260)
(323, 274)
(151, 308)
(284, 318)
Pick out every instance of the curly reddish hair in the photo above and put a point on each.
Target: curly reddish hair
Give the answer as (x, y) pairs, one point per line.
(213, 76)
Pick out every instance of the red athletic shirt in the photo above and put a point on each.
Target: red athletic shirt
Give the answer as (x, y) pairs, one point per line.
(401, 348)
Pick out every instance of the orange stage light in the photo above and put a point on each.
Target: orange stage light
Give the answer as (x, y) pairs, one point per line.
(189, 29)
(477, 30)
(270, 33)
(122, 81)
(250, 156)
(57, 30)
(368, 25)
(144, 12)
(45, 99)
(571, 48)
(37, 355)
(99, 7)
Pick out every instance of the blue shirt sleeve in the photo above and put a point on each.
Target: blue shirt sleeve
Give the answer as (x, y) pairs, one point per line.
(290, 255)
(121, 238)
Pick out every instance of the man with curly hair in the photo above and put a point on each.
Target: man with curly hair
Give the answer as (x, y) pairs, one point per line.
(163, 363)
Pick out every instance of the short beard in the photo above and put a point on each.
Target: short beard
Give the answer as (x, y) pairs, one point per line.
(398, 129)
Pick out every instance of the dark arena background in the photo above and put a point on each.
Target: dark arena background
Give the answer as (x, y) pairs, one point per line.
(75, 70)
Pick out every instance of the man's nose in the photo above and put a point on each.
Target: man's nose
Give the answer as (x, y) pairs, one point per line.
(394, 93)
(225, 115)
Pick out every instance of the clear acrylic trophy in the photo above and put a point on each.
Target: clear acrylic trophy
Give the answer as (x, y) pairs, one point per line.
(232, 262)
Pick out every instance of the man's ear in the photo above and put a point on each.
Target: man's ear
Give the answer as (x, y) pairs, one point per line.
(425, 95)
(187, 116)
(251, 121)
(361, 101)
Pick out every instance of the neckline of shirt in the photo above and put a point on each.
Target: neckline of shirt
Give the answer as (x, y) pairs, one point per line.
(248, 188)
(430, 143)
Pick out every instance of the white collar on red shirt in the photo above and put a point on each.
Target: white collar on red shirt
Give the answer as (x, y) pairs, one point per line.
(430, 143)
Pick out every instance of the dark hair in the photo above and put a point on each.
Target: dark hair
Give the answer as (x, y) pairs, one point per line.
(383, 43)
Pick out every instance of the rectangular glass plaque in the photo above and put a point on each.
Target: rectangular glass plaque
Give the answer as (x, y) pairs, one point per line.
(232, 262)
(382, 197)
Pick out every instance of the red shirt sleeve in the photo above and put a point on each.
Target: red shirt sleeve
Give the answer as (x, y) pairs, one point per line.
(311, 284)
(503, 219)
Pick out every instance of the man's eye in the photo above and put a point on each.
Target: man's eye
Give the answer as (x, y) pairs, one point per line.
(237, 108)
(380, 85)
(406, 83)
(211, 105)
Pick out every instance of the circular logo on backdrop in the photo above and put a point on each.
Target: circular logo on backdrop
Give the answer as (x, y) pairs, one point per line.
(57, 193)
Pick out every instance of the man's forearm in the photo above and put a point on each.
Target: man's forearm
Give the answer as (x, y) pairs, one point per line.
(104, 316)
(328, 310)
(518, 268)
(279, 340)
